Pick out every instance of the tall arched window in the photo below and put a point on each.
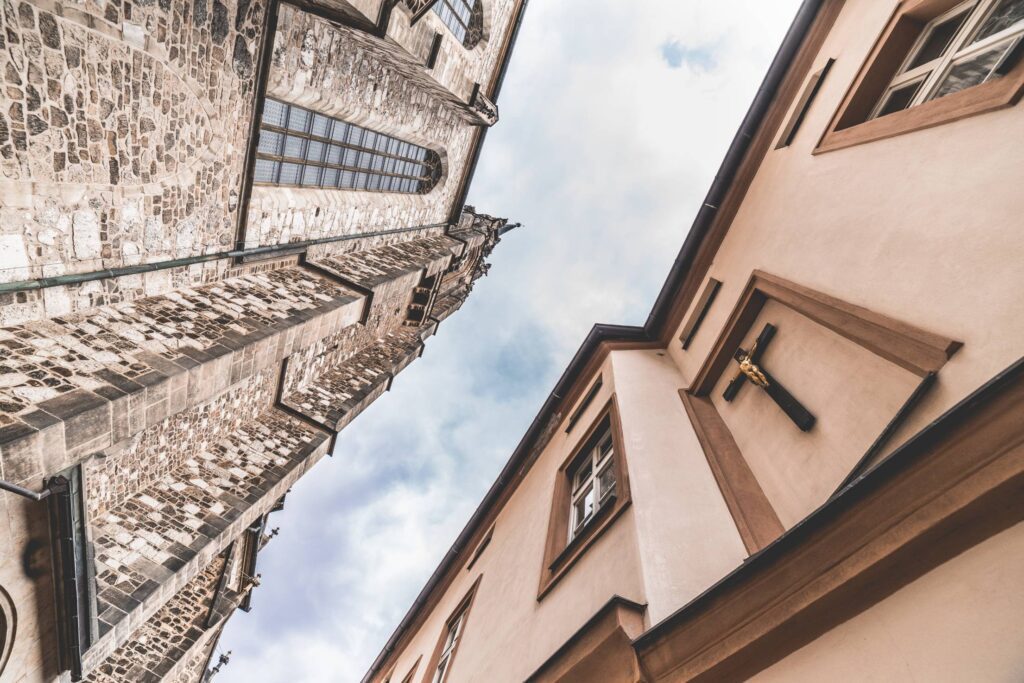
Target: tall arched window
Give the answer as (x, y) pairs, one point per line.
(302, 148)
(464, 18)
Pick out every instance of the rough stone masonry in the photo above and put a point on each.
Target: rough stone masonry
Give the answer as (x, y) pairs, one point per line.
(178, 345)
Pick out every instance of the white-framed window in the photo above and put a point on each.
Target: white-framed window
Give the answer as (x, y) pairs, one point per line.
(451, 639)
(973, 43)
(593, 481)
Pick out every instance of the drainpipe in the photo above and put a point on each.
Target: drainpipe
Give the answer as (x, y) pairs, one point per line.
(51, 488)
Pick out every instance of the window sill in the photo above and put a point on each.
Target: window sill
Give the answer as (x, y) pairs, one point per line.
(997, 94)
(572, 552)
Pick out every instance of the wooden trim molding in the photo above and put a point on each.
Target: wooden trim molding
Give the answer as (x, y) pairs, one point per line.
(559, 553)
(850, 125)
(756, 519)
(955, 484)
(600, 649)
(463, 609)
(412, 672)
(919, 351)
(700, 311)
(803, 105)
(922, 353)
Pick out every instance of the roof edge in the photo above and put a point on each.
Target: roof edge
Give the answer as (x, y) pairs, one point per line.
(650, 331)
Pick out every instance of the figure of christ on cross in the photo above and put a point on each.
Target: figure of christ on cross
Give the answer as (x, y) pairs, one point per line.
(757, 375)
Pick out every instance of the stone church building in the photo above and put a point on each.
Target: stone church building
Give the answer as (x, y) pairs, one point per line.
(808, 463)
(225, 227)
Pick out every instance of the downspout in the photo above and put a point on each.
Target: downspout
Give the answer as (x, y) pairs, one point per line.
(50, 489)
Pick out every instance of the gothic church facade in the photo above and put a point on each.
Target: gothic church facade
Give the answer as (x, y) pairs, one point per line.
(225, 227)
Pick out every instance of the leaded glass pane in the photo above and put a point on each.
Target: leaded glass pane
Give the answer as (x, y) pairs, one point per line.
(315, 151)
(321, 126)
(270, 142)
(311, 176)
(274, 113)
(265, 171)
(298, 119)
(334, 154)
(290, 174)
(294, 147)
(339, 131)
(378, 163)
(330, 178)
(369, 139)
(355, 135)
(1006, 14)
(348, 179)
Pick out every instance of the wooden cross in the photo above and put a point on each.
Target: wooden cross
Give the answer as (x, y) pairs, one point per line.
(752, 372)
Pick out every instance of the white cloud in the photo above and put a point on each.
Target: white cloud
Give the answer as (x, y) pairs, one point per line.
(604, 152)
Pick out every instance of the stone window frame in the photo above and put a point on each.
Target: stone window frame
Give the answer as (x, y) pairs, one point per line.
(319, 130)
(852, 123)
(561, 553)
(918, 351)
(468, 30)
(460, 618)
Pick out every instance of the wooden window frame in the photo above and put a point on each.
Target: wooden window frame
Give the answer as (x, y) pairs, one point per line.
(851, 125)
(560, 554)
(585, 403)
(412, 672)
(911, 348)
(462, 610)
(481, 547)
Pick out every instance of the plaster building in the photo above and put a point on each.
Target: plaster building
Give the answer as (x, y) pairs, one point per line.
(808, 463)
(225, 227)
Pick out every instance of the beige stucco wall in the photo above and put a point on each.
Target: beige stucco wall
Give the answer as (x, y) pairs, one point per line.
(687, 537)
(509, 633)
(798, 471)
(959, 622)
(924, 227)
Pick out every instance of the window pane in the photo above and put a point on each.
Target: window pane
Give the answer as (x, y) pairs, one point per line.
(294, 147)
(355, 135)
(381, 145)
(315, 151)
(348, 179)
(378, 163)
(389, 165)
(581, 475)
(275, 113)
(938, 40)
(365, 159)
(583, 507)
(290, 174)
(330, 177)
(369, 139)
(900, 98)
(340, 131)
(265, 171)
(321, 126)
(1006, 14)
(606, 480)
(971, 71)
(350, 158)
(298, 119)
(361, 179)
(311, 176)
(334, 155)
(270, 142)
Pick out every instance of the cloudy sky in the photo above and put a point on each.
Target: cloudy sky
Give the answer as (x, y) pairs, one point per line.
(614, 118)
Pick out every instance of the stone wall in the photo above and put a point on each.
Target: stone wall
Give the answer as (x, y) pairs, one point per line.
(123, 130)
(156, 647)
(348, 74)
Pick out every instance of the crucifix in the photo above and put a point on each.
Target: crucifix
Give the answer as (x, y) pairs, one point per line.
(751, 372)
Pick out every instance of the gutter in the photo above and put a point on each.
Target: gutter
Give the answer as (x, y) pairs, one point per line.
(723, 181)
(720, 187)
